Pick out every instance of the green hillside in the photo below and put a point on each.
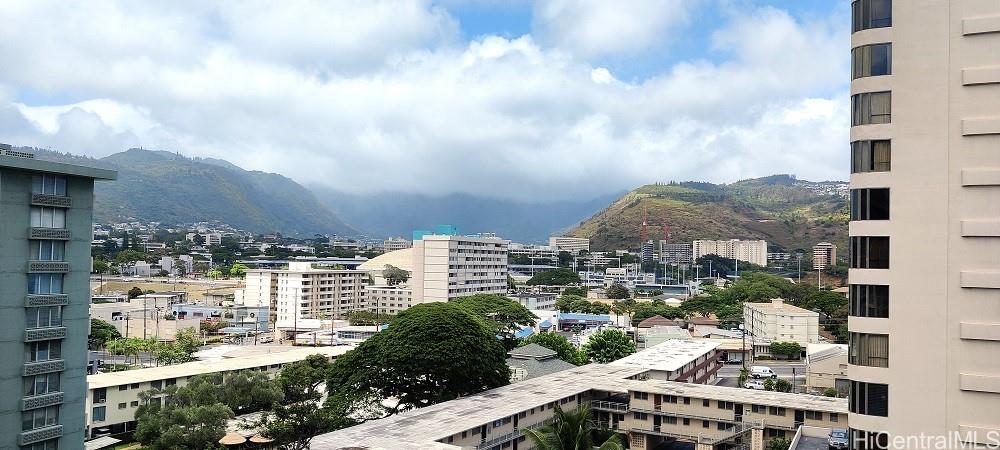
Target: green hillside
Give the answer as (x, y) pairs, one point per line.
(788, 213)
(172, 189)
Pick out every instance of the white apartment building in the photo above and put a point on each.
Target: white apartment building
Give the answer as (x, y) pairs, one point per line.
(924, 356)
(449, 266)
(396, 243)
(385, 299)
(569, 244)
(824, 255)
(754, 252)
(305, 292)
(778, 321)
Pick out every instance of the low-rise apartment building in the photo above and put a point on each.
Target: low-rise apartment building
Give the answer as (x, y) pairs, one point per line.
(545, 301)
(777, 321)
(113, 397)
(569, 244)
(754, 252)
(645, 411)
(683, 360)
(826, 368)
(305, 292)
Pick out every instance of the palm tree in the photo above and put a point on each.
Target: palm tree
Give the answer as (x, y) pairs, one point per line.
(570, 431)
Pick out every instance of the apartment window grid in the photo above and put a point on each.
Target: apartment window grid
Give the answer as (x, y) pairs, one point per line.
(869, 252)
(869, 301)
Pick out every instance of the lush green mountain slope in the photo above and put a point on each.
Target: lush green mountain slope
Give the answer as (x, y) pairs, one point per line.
(169, 188)
(788, 213)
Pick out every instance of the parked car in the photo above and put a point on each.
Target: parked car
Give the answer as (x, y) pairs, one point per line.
(754, 384)
(266, 340)
(838, 439)
(762, 372)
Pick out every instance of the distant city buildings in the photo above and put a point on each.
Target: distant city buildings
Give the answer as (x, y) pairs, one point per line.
(824, 256)
(675, 253)
(304, 293)
(396, 243)
(46, 213)
(569, 244)
(754, 252)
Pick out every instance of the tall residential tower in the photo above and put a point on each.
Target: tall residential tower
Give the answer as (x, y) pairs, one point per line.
(925, 221)
(46, 215)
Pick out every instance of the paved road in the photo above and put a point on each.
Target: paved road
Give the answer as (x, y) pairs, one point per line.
(729, 373)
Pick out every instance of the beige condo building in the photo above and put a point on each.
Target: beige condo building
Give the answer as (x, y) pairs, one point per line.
(924, 356)
(447, 266)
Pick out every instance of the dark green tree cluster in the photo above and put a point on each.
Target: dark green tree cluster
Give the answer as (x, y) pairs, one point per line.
(101, 333)
(617, 292)
(502, 315)
(608, 345)
(786, 349)
(577, 304)
(368, 318)
(645, 310)
(559, 344)
(555, 277)
(430, 353)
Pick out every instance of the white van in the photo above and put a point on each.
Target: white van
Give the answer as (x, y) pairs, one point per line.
(762, 372)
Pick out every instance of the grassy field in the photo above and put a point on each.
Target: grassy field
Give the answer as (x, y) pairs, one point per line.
(195, 290)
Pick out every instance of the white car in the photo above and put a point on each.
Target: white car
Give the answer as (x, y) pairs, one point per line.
(762, 372)
(754, 384)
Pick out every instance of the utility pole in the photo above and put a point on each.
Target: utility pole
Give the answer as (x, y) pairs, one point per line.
(799, 255)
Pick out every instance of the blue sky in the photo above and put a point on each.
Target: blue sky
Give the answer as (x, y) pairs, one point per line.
(516, 99)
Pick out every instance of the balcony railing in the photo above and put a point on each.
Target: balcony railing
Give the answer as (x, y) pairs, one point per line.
(36, 368)
(609, 406)
(60, 234)
(46, 300)
(58, 201)
(48, 266)
(506, 437)
(40, 434)
(41, 401)
(44, 333)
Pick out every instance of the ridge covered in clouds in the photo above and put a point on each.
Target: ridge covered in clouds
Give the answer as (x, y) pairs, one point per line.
(372, 96)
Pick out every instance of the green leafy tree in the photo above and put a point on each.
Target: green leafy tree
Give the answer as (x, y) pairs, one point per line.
(502, 314)
(830, 392)
(783, 386)
(433, 352)
(580, 291)
(101, 333)
(134, 292)
(369, 318)
(101, 266)
(570, 430)
(608, 345)
(293, 424)
(214, 274)
(394, 275)
(769, 384)
(238, 270)
(617, 292)
(744, 375)
(557, 343)
(779, 444)
(565, 258)
(830, 303)
(556, 277)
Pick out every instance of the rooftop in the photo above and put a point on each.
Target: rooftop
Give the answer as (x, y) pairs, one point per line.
(533, 351)
(419, 428)
(779, 306)
(668, 356)
(738, 395)
(29, 163)
(110, 379)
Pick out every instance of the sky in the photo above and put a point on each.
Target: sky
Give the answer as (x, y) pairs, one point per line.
(515, 99)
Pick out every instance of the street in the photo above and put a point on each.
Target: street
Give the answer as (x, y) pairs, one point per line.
(730, 373)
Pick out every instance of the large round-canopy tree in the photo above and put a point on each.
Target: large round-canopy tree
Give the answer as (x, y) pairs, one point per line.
(430, 353)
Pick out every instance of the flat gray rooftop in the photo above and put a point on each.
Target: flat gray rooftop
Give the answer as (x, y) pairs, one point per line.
(39, 165)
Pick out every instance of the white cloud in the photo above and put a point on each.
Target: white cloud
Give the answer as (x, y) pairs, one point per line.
(417, 111)
(602, 27)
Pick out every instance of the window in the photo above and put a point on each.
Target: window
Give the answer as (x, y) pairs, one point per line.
(869, 300)
(834, 417)
(122, 405)
(867, 440)
(39, 418)
(704, 402)
(123, 387)
(670, 398)
(99, 413)
(42, 351)
(134, 404)
(641, 395)
(156, 384)
(869, 252)
(48, 184)
(870, 204)
(41, 384)
(51, 444)
(871, 108)
(776, 411)
(758, 409)
(687, 400)
(868, 14)
(870, 350)
(871, 60)
(43, 316)
(671, 420)
(814, 415)
(639, 416)
(725, 405)
(45, 217)
(134, 386)
(871, 399)
(871, 156)
(45, 283)
(687, 421)
(704, 424)
(46, 250)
